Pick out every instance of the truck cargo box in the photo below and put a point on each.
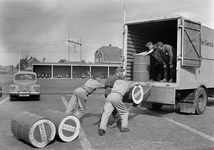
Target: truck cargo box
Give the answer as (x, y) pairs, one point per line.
(194, 47)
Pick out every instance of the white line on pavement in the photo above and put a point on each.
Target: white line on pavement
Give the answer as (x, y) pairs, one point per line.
(190, 129)
(1, 102)
(86, 145)
(64, 102)
(210, 108)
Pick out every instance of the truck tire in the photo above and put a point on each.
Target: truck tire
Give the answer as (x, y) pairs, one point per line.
(201, 99)
(156, 107)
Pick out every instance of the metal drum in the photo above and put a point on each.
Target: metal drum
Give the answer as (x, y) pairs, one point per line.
(67, 126)
(137, 94)
(134, 95)
(33, 129)
(141, 68)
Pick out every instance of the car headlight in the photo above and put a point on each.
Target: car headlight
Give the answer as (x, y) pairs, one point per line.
(12, 87)
(36, 87)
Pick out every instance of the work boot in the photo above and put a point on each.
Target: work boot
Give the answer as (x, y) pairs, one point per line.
(171, 80)
(164, 80)
(151, 80)
(101, 132)
(124, 130)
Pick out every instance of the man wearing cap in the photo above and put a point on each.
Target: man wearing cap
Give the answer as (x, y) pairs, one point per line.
(109, 85)
(114, 100)
(81, 94)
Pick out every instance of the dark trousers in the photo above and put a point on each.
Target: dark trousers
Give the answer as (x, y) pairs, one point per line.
(160, 72)
(171, 72)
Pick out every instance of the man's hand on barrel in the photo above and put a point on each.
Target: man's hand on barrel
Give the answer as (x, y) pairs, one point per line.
(137, 83)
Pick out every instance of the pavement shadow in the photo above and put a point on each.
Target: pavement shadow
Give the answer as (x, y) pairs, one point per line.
(137, 111)
(29, 144)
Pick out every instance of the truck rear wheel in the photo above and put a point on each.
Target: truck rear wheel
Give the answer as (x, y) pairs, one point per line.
(200, 101)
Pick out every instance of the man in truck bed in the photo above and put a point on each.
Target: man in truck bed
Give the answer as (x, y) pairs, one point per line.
(169, 52)
(161, 64)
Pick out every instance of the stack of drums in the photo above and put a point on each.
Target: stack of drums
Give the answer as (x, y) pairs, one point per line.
(141, 68)
(67, 126)
(33, 129)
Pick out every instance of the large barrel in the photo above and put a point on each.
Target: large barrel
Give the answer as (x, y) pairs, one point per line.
(141, 68)
(68, 126)
(33, 129)
(134, 95)
(137, 94)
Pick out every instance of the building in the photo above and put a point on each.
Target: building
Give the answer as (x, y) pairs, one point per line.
(108, 54)
(7, 68)
(32, 60)
(107, 59)
(73, 70)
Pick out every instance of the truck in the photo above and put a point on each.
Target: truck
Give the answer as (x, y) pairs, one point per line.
(194, 45)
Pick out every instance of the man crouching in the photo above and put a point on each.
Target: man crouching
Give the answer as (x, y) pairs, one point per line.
(114, 100)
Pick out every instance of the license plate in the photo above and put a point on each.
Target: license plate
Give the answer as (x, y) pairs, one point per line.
(23, 95)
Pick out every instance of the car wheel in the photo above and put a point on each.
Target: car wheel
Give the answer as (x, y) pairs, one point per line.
(12, 98)
(38, 98)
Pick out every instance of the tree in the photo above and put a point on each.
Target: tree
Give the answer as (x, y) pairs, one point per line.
(44, 59)
(62, 61)
(23, 64)
(83, 61)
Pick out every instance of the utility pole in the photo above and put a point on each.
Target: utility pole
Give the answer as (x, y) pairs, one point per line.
(124, 57)
(80, 49)
(75, 44)
(19, 59)
(69, 48)
(124, 21)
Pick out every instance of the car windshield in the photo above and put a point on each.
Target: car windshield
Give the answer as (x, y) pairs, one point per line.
(25, 77)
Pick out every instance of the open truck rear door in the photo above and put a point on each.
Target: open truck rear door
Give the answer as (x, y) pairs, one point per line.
(191, 44)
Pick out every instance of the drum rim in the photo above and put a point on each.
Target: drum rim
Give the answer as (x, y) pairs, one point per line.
(76, 133)
(42, 144)
(142, 94)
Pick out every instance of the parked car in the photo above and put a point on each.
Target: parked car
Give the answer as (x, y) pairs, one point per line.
(25, 84)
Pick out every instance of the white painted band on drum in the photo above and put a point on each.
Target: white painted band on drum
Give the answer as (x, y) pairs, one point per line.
(42, 132)
(136, 94)
(45, 142)
(77, 129)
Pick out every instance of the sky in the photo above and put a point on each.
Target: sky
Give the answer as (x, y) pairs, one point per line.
(41, 28)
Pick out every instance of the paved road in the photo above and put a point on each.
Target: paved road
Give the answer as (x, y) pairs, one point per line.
(162, 130)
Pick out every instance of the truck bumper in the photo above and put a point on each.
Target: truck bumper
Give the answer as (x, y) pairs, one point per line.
(24, 94)
(161, 94)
